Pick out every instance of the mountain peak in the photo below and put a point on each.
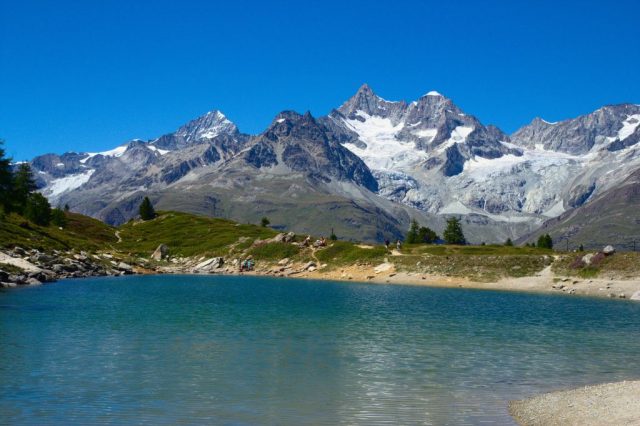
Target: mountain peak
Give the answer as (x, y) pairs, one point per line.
(207, 126)
(434, 93)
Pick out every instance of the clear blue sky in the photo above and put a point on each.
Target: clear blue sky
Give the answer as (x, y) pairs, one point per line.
(90, 75)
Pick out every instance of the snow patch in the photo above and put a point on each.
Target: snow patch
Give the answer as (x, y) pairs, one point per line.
(433, 93)
(280, 120)
(116, 152)
(426, 133)
(629, 126)
(383, 151)
(459, 134)
(556, 210)
(59, 186)
(158, 150)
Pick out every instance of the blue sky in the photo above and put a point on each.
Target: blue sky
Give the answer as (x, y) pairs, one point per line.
(90, 75)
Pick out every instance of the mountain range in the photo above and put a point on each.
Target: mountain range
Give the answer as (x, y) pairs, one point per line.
(370, 166)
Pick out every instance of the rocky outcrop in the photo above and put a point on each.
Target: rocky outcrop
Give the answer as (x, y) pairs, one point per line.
(33, 267)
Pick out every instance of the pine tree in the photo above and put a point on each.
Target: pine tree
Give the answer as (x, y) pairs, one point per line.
(508, 243)
(333, 236)
(23, 185)
(6, 180)
(264, 222)
(146, 209)
(453, 233)
(37, 209)
(545, 241)
(427, 235)
(412, 235)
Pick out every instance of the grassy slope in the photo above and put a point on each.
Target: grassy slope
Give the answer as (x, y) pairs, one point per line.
(80, 233)
(187, 235)
(191, 235)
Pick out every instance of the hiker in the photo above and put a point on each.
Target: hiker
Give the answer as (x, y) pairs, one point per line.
(307, 241)
(398, 245)
(386, 244)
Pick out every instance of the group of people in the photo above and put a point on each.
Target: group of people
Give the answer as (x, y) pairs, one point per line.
(387, 243)
(247, 265)
(322, 242)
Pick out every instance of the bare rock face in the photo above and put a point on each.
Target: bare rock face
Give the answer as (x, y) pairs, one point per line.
(161, 253)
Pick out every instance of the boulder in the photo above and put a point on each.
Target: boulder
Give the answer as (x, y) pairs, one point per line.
(608, 250)
(309, 265)
(279, 238)
(33, 281)
(587, 258)
(209, 264)
(635, 296)
(125, 267)
(284, 261)
(161, 252)
(289, 237)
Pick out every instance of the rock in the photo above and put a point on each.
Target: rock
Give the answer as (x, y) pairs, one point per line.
(311, 268)
(635, 296)
(622, 296)
(161, 252)
(125, 267)
(564, 280)
(284, 262)
(383, 267)
(279, 238)
(209, 264)
(558, 286)
(33, 281)
(7, 284)
(309, 265)
(587, 258)
(608, 250)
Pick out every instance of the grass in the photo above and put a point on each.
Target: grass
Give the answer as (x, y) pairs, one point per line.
(480, 263)
(10, 269)
(187, 235)
(274, 251)
(620, 265)
(341, 252)
(80, 233)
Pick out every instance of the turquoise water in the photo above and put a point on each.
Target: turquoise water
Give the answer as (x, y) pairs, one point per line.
(243, 350)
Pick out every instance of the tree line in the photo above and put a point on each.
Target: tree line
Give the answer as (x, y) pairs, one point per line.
(18, 194)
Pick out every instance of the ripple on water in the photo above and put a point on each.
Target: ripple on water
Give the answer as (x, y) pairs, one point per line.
(172, 349)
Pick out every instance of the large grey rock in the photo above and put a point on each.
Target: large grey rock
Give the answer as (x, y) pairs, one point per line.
(608, 250)
(161, 252)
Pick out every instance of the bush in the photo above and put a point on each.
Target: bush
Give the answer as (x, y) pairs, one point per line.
(58, 218)
(264, 222)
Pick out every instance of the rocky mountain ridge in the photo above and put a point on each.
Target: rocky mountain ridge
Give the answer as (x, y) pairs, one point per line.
(376, 161)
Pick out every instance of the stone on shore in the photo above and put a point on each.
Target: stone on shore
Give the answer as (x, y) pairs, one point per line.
(161, 252)
(608, 250)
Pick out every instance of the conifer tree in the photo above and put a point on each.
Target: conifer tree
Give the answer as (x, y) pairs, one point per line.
(453, 233)
(37, 209)
(412, 235)
(147, 211)
(427, 235)
(23, 185)
(6, 180)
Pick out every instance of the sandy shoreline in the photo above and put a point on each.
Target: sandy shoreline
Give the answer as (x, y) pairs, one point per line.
(543, 282)
(606, 404)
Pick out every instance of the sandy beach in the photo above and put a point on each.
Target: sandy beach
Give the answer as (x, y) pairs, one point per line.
(606, 404)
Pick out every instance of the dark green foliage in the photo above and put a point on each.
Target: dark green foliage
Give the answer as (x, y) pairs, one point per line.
(23, 186)
(66, 208)
(545, 241)
(427, 235)
(37, 209)
(453, 233)
(581, 248)
(58, 218)
(420, 234)
(146, 209)
(412, 235)
(333, 236)
(264, 222)
(508, 243)
(6, 180)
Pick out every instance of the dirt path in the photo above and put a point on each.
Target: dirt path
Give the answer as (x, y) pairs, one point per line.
(118, 237)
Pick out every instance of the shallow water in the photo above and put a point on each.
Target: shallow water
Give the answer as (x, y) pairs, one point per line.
(246, 350)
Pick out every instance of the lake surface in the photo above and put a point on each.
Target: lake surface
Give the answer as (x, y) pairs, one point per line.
(245, 350)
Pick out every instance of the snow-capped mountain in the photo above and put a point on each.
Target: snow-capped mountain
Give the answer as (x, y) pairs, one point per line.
(430, 155)
(372, 162)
